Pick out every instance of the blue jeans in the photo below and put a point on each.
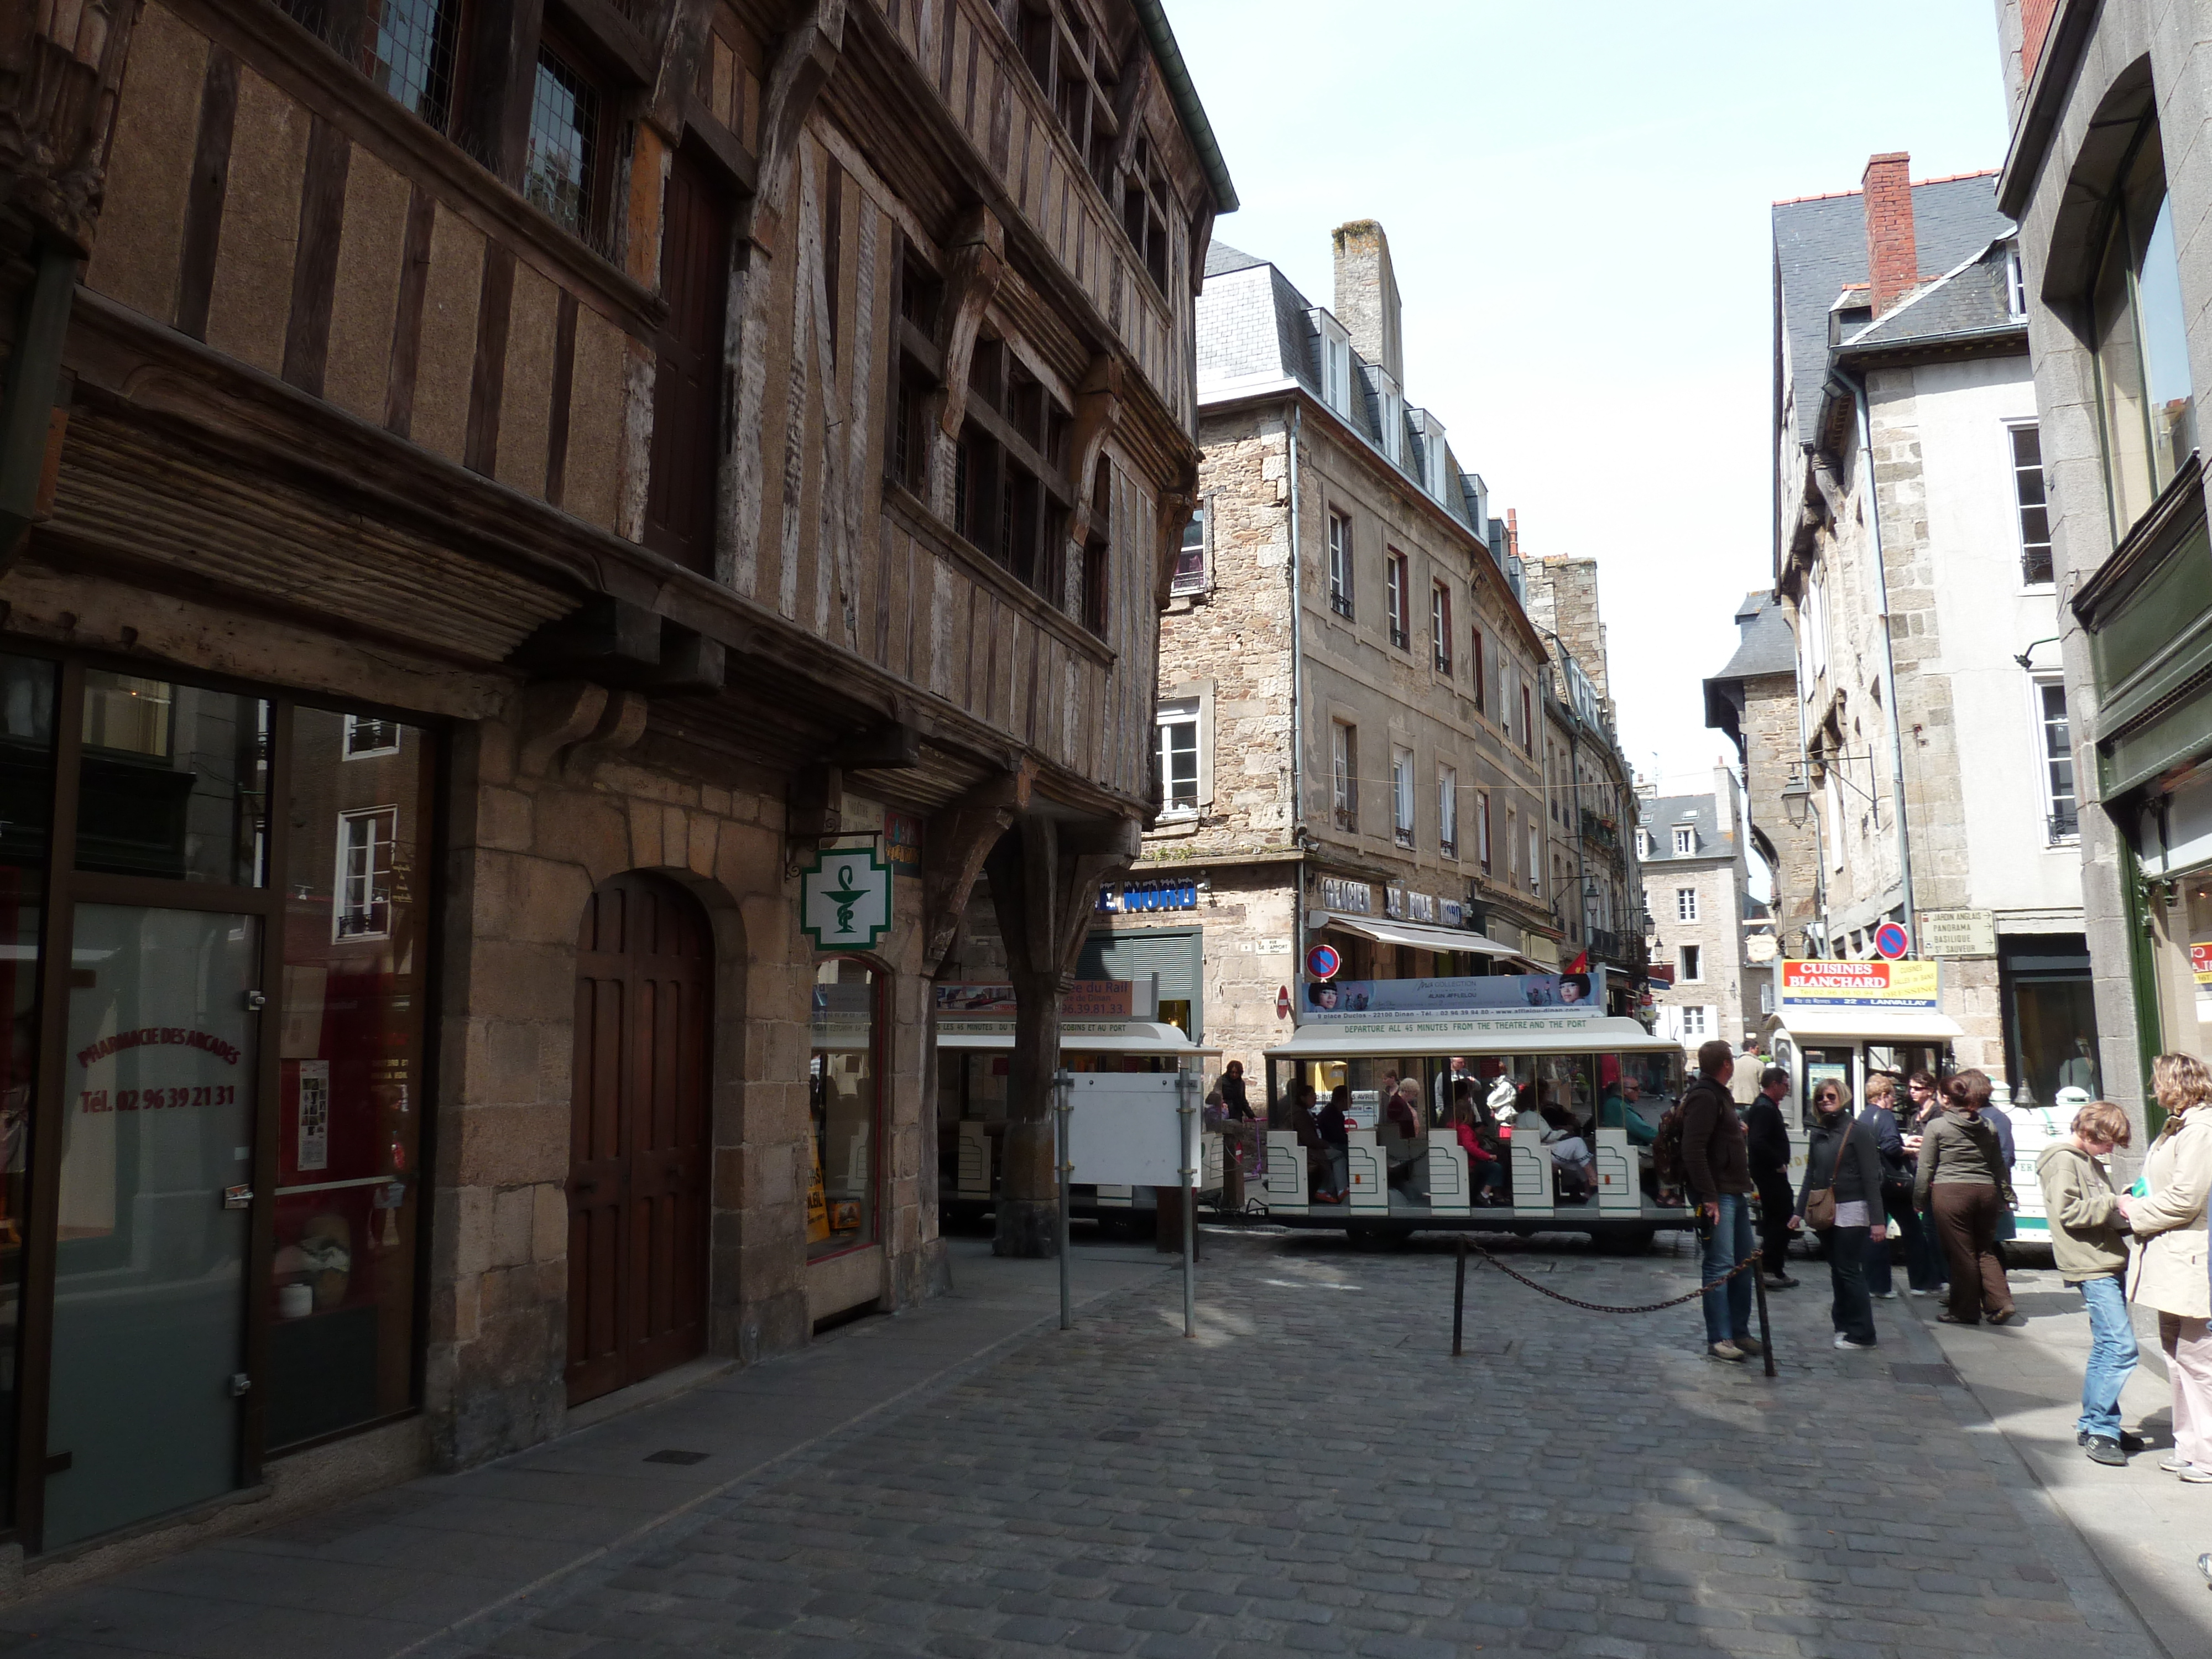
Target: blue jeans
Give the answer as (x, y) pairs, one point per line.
(1849, 1310)
(2111, 1355)
(1727, 1307)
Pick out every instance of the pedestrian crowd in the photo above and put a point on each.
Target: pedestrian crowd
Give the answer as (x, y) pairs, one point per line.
(1938, 1171)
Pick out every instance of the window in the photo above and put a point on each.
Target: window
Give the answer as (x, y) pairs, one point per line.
(1402, 795)
(1007, 500)
(1339, 564)
(1178, 729)
(366, 737)
(1394, 573)
(1336, 364)
(2034, 508)
(1190, 563)
(1527, 722)
(1344, 768)
(1816, 623)
(1482, 828)
(1693, 964)
(1536, 861)
(842, 1079)
(2015, 285)
(1448, 811)
(1096, 569)
(2057, 760)
(2146, 402)
(1512, 849)
(1147, 207)
(364, 873)
(1695, 1023)
(1685, 841)
(409, 48)
(1434, 471)
(1390, 410)
(1440, 626)
(1766, 996)
(560, 174)
(1642, 843)
(1480, 681)
(1685, 904)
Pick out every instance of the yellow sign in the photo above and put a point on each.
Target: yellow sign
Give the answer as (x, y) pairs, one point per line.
(818, 1212)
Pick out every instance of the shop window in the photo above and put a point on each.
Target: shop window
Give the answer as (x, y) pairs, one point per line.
(172, 782)
(844, 1078)
(2054, 738)
(561, 168)
(1178, 729)
(2052, 1023)
(2035, 507)
(350, 1103)
(2145, 400)
(1340, 565)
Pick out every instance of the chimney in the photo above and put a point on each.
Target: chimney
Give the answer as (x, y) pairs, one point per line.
(1892, 257)
(1367, 296)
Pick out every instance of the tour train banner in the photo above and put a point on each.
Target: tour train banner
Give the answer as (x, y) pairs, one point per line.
(1881, 987)
(1561, 998)
(1087, 998)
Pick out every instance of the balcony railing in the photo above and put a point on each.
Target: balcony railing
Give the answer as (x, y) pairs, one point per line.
(1398, 636)
(2065, 824)
(1443, 662)
(1340, 603)
(1405, 834)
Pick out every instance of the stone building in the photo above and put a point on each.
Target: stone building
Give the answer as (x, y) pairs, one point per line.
(1697, 881)
(1754, 700)
(1597, 894)
(1913, 557)
(1350, 694)
(2107, 107)
(552, 556)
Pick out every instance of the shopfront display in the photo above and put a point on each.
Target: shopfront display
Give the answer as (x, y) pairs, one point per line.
(216, 934)
(844, 1083)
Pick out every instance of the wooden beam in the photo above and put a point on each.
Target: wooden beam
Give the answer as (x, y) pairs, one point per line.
(315, 271)
(204, 196)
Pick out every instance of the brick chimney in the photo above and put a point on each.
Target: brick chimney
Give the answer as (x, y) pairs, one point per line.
(1892, 257)
(1367, 296)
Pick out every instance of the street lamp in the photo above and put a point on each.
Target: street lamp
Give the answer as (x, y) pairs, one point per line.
(1797, 798)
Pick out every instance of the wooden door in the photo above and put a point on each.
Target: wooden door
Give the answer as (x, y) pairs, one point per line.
(638, 1136)
(694, 274)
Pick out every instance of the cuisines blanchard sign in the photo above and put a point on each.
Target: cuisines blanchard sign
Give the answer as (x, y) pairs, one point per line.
(1897, 987)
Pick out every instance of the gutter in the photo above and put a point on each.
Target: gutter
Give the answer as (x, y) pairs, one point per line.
(1176, 74)
(1297, 707)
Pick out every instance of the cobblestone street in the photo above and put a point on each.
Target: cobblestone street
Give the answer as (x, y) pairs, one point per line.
(1316, 1474)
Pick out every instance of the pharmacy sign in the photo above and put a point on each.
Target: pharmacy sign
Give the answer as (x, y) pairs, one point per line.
(845, 899)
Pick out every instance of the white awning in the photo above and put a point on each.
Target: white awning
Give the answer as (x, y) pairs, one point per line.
(1812, 1024)
(1422, 937)
(1477, 1032)
(1155, 1039)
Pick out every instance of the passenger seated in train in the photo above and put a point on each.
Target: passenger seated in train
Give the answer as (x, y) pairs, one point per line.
(1616, 1107)
(1335, 1145)
(1404, 1140)
(1486, 1168)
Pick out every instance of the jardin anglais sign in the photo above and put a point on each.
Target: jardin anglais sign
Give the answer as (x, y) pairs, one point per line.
(1895, 987)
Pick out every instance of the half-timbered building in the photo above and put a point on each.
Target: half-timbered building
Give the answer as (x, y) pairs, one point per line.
(493, 494)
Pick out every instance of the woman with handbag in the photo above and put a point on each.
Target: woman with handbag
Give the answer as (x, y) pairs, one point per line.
(1842, 1202)
(2169, 1275)
(1961, 1181)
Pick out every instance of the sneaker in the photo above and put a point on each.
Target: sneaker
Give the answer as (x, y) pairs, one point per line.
(1747, 1345)
(2196, 1474)
(1727, 1351)
(2107, 1452)
(1883, 1296)
(1916, 1291)
(1843, 1341)
(2173, 1463)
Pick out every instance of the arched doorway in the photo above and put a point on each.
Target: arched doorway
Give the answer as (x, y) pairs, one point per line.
(638, 1136)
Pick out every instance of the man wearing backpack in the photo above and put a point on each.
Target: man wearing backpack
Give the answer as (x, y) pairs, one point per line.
(1716, 1169)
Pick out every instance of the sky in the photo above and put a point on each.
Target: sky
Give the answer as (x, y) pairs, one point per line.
(1577, 202)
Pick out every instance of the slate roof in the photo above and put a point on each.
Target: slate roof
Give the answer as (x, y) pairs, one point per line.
(1968, 300)
(1764, 644)
(1255, 330)
(1820, 247)
(1658, 818)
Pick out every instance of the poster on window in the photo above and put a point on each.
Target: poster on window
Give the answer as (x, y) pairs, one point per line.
(315, 1114)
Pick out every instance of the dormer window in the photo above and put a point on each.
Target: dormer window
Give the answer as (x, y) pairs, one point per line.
(1685, 841)
(1435, 475)
(1390, 406)
(1335, 364)
(2015, 286)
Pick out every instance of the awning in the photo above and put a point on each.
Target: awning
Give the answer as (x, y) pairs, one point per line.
(1813, 1024)
(1153, 1038)
(1480, 1031)
(1423, 937)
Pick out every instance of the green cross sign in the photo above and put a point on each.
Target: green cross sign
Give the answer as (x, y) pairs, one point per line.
(845, 899)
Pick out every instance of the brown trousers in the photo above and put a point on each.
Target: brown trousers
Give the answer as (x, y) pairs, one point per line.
(1967, 1226)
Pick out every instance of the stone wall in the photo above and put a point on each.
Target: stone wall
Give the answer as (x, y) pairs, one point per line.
(1771, 748)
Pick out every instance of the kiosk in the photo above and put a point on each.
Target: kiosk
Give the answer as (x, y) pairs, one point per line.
(1589, 1090)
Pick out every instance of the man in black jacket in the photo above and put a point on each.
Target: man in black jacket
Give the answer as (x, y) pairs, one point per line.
(1767, 1139)
(1718, 1172)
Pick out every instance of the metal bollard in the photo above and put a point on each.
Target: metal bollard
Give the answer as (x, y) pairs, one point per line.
(1063, 1083)
(1459, 1298)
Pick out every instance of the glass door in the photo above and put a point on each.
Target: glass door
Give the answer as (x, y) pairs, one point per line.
(152, 1224)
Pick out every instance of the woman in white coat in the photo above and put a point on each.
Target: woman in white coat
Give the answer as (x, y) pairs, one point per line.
(2169, 1266)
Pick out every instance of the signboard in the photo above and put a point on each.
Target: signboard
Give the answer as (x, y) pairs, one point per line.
(1130, 897)
(845, 898)
(1323, 962)
(1661, 973)
(1561, 997)
(903, 841)
(1282, 1002)
(1891, 941)
(2200, 960)
(1890, 986)
(1759, 948)
(1124, 1129)
(1087, 998)
(1356, 896)
(1958, 933)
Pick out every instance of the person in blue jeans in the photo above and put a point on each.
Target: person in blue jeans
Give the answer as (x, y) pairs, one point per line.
(1716, 1169)
(2089, 1244)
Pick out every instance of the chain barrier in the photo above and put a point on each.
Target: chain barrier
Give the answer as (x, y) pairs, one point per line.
(1600, 1307)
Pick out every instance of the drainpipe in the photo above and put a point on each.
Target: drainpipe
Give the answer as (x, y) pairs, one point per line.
(1812, 806)
(1298, 710)
(1857, 384)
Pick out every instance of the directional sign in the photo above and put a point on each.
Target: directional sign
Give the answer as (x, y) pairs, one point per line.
(1323, 962)
(1891, 940)
(845, 899)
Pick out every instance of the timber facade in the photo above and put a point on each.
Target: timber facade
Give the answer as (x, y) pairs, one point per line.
(492, 496)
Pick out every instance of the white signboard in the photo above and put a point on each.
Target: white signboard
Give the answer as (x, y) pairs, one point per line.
(845, 899)
(1958, 933)
(1123, 1129)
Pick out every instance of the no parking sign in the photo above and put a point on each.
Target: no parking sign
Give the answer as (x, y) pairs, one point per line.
(1891, 941)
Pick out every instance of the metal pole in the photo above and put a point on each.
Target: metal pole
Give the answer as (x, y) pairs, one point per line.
(1062, 1084)
(1459, 1297)
(1758, 1290)
(1188, 1113)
